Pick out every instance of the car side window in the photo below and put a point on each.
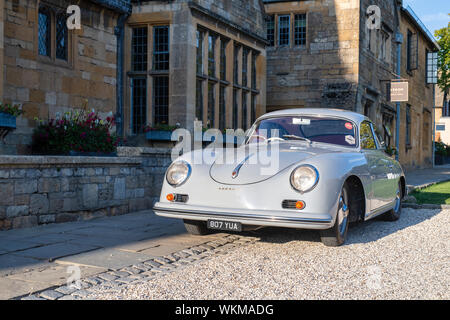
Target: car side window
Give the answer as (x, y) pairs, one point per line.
(366, 136)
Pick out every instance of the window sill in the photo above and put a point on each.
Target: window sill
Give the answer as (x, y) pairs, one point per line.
(55, 62)
(158, 72)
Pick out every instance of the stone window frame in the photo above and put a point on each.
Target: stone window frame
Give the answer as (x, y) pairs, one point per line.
(412, 51)
(292, 16)
(270, 21)
(156, 52)
(54, 13)
(298, 32)
(138, 116)
(150, 74)
(279, 33)
(225, 82)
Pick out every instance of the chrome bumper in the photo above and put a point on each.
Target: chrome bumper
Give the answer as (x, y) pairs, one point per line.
(286, 219)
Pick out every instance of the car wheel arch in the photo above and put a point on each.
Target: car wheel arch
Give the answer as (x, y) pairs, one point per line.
(403, 184)
(357, 198)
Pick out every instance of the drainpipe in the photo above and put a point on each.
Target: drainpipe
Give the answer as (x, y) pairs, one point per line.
(119, 32)
(433, 122)
(398, 41)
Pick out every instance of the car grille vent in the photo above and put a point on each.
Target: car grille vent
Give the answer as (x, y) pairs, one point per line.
(181, 198)
(289, 204)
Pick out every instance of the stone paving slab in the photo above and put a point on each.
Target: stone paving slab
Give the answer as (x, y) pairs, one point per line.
(11, 288)
(167, 242)
(50, 238)
(16, 245)
(11, 262)
(97, 241)
(421, 177)
(55, 251)
(111, 259)
(56, 275)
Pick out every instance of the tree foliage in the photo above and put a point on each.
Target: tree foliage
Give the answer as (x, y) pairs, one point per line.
(443, 39)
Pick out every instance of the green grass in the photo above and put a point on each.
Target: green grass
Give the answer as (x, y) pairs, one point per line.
(435, 194)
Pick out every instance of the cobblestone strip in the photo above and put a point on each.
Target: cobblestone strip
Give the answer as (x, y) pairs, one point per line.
(156, 267)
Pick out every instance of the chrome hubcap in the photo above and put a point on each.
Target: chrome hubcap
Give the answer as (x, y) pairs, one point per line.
(342, 215)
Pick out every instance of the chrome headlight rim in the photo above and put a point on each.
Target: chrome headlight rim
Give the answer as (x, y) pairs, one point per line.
(189, 170)
(316, 181)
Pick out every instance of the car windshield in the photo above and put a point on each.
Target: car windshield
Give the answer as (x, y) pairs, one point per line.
(305, 128)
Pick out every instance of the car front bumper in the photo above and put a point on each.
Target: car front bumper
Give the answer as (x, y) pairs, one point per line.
(284, 218)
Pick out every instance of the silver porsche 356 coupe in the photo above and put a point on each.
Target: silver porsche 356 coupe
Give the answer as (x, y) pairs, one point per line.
(299, 168)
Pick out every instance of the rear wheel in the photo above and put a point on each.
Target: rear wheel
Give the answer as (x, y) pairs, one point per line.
(336, 235)
(394, 213)
(197, 228)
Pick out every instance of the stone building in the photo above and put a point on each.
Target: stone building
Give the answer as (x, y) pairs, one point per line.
(336, 53)
(442, 118)
(48, 69)
(171, 63)
(194, 60)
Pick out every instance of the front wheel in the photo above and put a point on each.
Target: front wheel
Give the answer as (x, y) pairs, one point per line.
(336, 235)
(197, 228)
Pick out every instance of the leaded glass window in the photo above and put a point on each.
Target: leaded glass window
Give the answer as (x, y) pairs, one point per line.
(223, 59)
(139, 49)
(161, 99)
(235, 109)
(199, 100)
(161, 48)
(270, 28)
(61, 37)
(200, 36)
(284, 30)
(44, 33)
(222, 107)
(244, 110)
(139, 104)
(245, 67)
(211, 55)
(211, 105)
(300, 29)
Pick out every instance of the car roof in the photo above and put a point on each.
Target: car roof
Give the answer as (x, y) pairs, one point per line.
(353, 116)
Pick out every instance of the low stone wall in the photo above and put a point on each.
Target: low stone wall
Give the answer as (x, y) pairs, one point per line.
(47, 189)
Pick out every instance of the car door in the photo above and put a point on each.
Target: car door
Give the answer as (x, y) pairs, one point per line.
(379, 168)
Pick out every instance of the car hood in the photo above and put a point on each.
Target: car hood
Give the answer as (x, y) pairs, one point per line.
(258, 162)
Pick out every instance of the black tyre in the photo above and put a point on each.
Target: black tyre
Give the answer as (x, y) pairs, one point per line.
(336, 235)
(394, 213)
(197, 228)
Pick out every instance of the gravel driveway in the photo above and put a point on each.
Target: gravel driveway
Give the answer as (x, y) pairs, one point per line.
(407, 259)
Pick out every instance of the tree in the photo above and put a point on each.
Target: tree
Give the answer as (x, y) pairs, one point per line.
(443, 39)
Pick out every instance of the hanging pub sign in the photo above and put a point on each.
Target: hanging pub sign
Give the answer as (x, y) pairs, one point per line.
(398, 91)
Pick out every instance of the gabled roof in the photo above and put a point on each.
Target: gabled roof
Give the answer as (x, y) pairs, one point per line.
(409, 12)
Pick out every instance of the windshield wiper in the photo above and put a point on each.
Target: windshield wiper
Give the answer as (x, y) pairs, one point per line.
(291, 136)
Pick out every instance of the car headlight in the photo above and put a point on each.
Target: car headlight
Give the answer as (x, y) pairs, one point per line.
(177, 173)
(304, 178)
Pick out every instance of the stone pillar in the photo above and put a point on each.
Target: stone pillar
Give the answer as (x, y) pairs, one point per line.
(183, 69)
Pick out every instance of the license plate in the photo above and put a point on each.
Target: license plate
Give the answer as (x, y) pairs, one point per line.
(224, 225)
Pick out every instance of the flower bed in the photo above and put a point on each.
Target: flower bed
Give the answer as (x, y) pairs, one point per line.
(80, 132)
